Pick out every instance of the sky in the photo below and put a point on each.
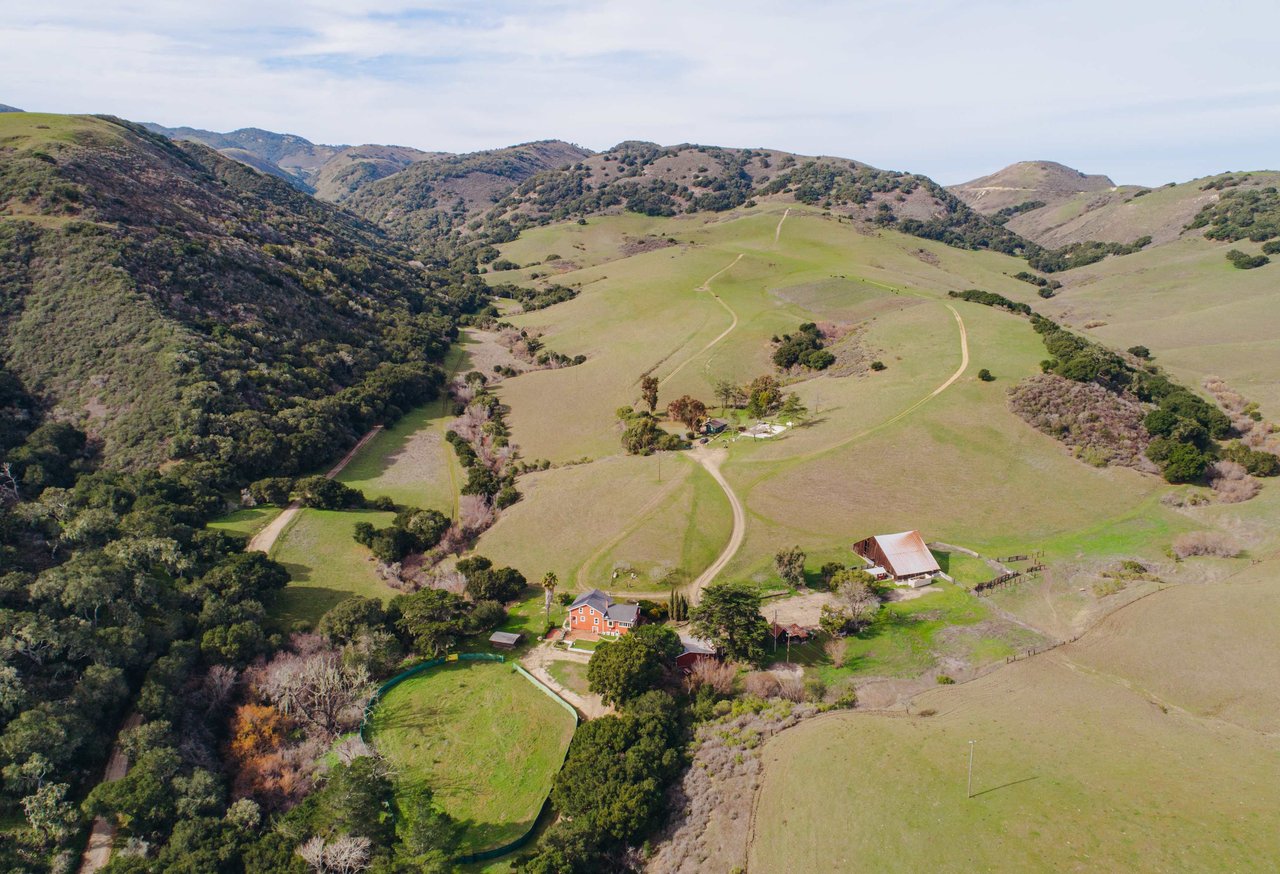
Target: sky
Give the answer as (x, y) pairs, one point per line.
(1145, 92)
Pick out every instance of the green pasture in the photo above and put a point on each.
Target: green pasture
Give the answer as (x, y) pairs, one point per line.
(1149, 745)
(325, 564)
(484, 739)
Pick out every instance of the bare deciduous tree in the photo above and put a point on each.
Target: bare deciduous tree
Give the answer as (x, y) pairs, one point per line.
(317, 689)
(347, 854)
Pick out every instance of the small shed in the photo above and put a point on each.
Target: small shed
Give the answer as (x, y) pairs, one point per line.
(695, 650)
(505, 639)
(788, 632)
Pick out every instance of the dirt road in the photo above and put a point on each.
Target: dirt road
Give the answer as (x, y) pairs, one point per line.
(777, 232)
(267, 537)
(97, 853)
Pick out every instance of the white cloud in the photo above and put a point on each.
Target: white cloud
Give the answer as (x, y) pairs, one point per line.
(1142, 90)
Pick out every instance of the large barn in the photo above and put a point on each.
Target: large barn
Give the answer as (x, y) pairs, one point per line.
(904, 557)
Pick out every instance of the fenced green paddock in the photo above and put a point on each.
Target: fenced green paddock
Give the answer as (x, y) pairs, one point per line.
(486, 738)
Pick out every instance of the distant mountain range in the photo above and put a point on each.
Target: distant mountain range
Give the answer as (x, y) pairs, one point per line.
(6, 108)
(417, 195)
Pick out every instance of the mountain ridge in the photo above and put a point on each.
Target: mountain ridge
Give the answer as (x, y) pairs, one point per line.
(205, 309)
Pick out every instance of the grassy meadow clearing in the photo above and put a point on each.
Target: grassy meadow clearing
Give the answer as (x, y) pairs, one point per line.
(325, 564)
(483, 738)
(245, 522)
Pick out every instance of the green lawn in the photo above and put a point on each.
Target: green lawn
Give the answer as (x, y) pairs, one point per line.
(572, 675)
(485, 739)
(325, 564)
(246, 522)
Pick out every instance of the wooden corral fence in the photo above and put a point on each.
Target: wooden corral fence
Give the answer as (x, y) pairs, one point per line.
(1004, 580)
(1028, 653)
(1034, 556)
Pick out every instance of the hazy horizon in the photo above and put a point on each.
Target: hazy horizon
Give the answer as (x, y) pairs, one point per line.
(1145, 93)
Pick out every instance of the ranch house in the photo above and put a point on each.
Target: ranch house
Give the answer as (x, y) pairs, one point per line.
(595, 612)
(901, 557)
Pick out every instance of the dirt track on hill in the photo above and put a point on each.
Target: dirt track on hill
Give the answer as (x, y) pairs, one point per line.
(706, 286)
(777, 232)
(267, 537)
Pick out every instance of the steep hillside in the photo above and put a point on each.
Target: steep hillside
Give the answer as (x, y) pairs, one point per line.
(443, 192)
(1130, 212)
(177, 304)
(286, 155)
(1046, 182)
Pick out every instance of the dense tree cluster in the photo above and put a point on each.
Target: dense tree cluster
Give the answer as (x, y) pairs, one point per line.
(412, 530)
(611, 791)
(531, 299)
(1245, 261)
(1080, 254)
(805, 348)
(729, 616)
(1243, 214)
(634, 664)
(1002, 216)
(641, 434)
(991, 299)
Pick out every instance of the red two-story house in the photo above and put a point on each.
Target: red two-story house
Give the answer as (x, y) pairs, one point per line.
(594, 612)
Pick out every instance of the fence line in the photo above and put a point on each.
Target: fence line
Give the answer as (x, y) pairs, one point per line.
(1006, 579)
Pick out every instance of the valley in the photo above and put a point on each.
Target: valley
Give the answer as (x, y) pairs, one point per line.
(295, 446)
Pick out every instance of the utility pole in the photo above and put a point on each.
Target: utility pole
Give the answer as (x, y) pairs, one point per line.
(969, 791)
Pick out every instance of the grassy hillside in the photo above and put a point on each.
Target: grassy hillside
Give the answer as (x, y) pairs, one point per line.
(665, 181)
(1122, 751)
(177, 304)
(1128, 212)
(1199, 315)
(924, 444)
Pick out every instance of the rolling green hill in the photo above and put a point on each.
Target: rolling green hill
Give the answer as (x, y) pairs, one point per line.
(175, 303)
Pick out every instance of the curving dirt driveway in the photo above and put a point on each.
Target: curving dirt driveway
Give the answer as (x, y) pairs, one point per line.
(711, 459)
(267, 537)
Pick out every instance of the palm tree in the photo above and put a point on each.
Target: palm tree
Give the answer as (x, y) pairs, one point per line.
(549, 583)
